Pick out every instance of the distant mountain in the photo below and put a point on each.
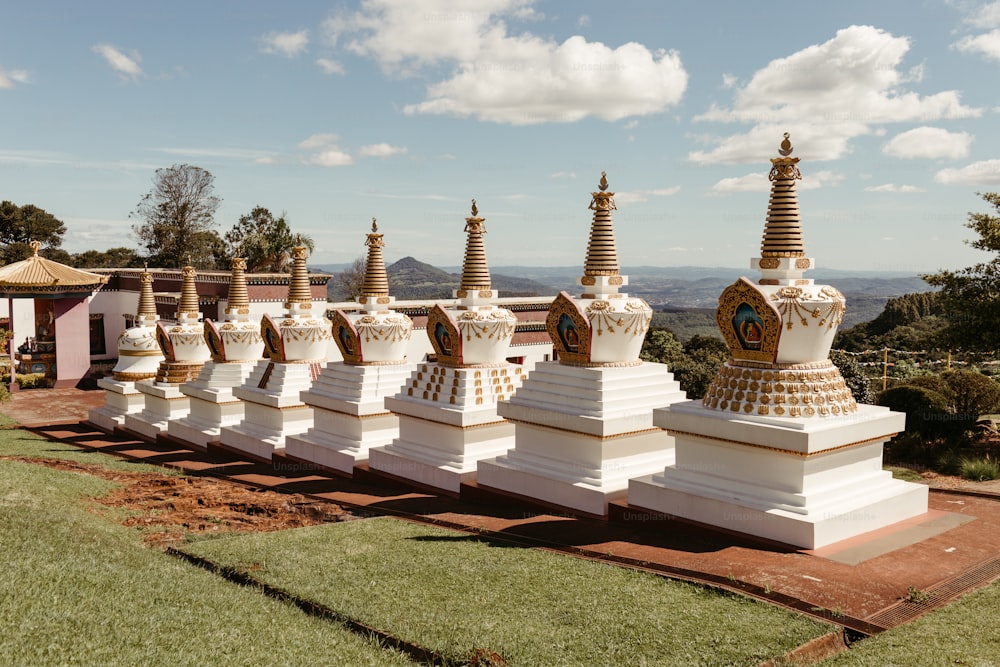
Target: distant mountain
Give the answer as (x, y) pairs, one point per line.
(409, 278)
(672, 288)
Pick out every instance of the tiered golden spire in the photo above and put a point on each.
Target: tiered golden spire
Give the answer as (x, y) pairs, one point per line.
(147, 305)
(475, 272)
(298, 284)
(189, 294)
(602, 256)
(783, 229)
(238, 296)
(376, 279)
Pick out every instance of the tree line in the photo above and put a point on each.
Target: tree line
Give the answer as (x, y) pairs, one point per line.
(174, 226)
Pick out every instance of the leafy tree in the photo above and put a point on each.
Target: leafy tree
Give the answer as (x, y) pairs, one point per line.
(857, 381)
(20, 225)
(971, 296)
(120, 257)
(661, 346)
(703, 356)
(177, 218)
(974, 394)
(265, 241)
(928, 414)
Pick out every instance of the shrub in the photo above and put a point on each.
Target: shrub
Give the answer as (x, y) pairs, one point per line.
(949, 463)
(31, 380)
(980, 470)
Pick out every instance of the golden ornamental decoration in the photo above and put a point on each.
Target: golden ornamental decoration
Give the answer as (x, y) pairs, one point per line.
(750, 325)
(569, 328)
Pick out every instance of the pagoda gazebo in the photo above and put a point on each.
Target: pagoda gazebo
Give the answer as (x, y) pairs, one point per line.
(53, 337)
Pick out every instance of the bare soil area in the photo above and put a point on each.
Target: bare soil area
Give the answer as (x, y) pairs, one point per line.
(170, 508)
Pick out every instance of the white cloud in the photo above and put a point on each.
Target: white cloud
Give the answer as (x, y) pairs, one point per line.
(728, 80)
(825, 95)
(987, 44)
(127, 66)
(984, 172)
(640, 196)
(563, 174)
(325, 151)
(288, 44)
(318, 140)
(987, 16)
(381, 150)
(757, 182)
(892, 187)
(501, 77)
(928, 142)
(11, 77)
(583, 21)
(330, 66)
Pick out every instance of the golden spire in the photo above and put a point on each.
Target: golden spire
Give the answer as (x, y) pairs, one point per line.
(189, 294)
(475, 272)
(35, 246)
(298, 285)
(602, 256)
(783, 229)
(147, 305)
(376, 279)
(238, 297)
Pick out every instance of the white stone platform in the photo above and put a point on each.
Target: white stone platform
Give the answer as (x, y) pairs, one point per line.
(582, 432)
(212, 403)
(273, 409)
(163, 403)
(448, 422)
(120, 398)
(803, 482)
(349, 414)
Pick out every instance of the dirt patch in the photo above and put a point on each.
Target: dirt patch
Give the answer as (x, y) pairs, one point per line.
(169, 508)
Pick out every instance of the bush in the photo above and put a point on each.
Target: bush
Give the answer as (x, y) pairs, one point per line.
(980, 470)
(949, 463)
(31, 380)
(975, 394)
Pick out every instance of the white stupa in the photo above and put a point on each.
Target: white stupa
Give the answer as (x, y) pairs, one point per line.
(236, 347)
(139, 355)
(778, 448)
(448, 418)
(296, 351)
(348, 397)
(185, 352)
(584, 423)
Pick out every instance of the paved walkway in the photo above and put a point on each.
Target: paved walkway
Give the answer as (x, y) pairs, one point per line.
(859, 584)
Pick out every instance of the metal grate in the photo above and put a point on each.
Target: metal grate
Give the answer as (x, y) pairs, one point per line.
(937, 595)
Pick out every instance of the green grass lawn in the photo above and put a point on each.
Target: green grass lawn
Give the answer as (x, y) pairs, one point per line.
(966, 632)
(452, 592)
(77, 588)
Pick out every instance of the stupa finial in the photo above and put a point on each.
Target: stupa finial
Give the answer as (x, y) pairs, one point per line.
(147, 304)
(298, 283)
(602, 255)
(35, 246)
(475, 271)
(238, 296)
(783, 229)
(376, 281)
(188, 304)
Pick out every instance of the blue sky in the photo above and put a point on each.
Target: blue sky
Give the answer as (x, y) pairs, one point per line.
(334, 113)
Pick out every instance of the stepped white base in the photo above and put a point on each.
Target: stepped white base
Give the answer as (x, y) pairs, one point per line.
(272, 409)
(349, 415)
(340, 441)
(804, 482)
(163, 403)
(440, 447)
(212, 403)
(581, 433)
(120, 398)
